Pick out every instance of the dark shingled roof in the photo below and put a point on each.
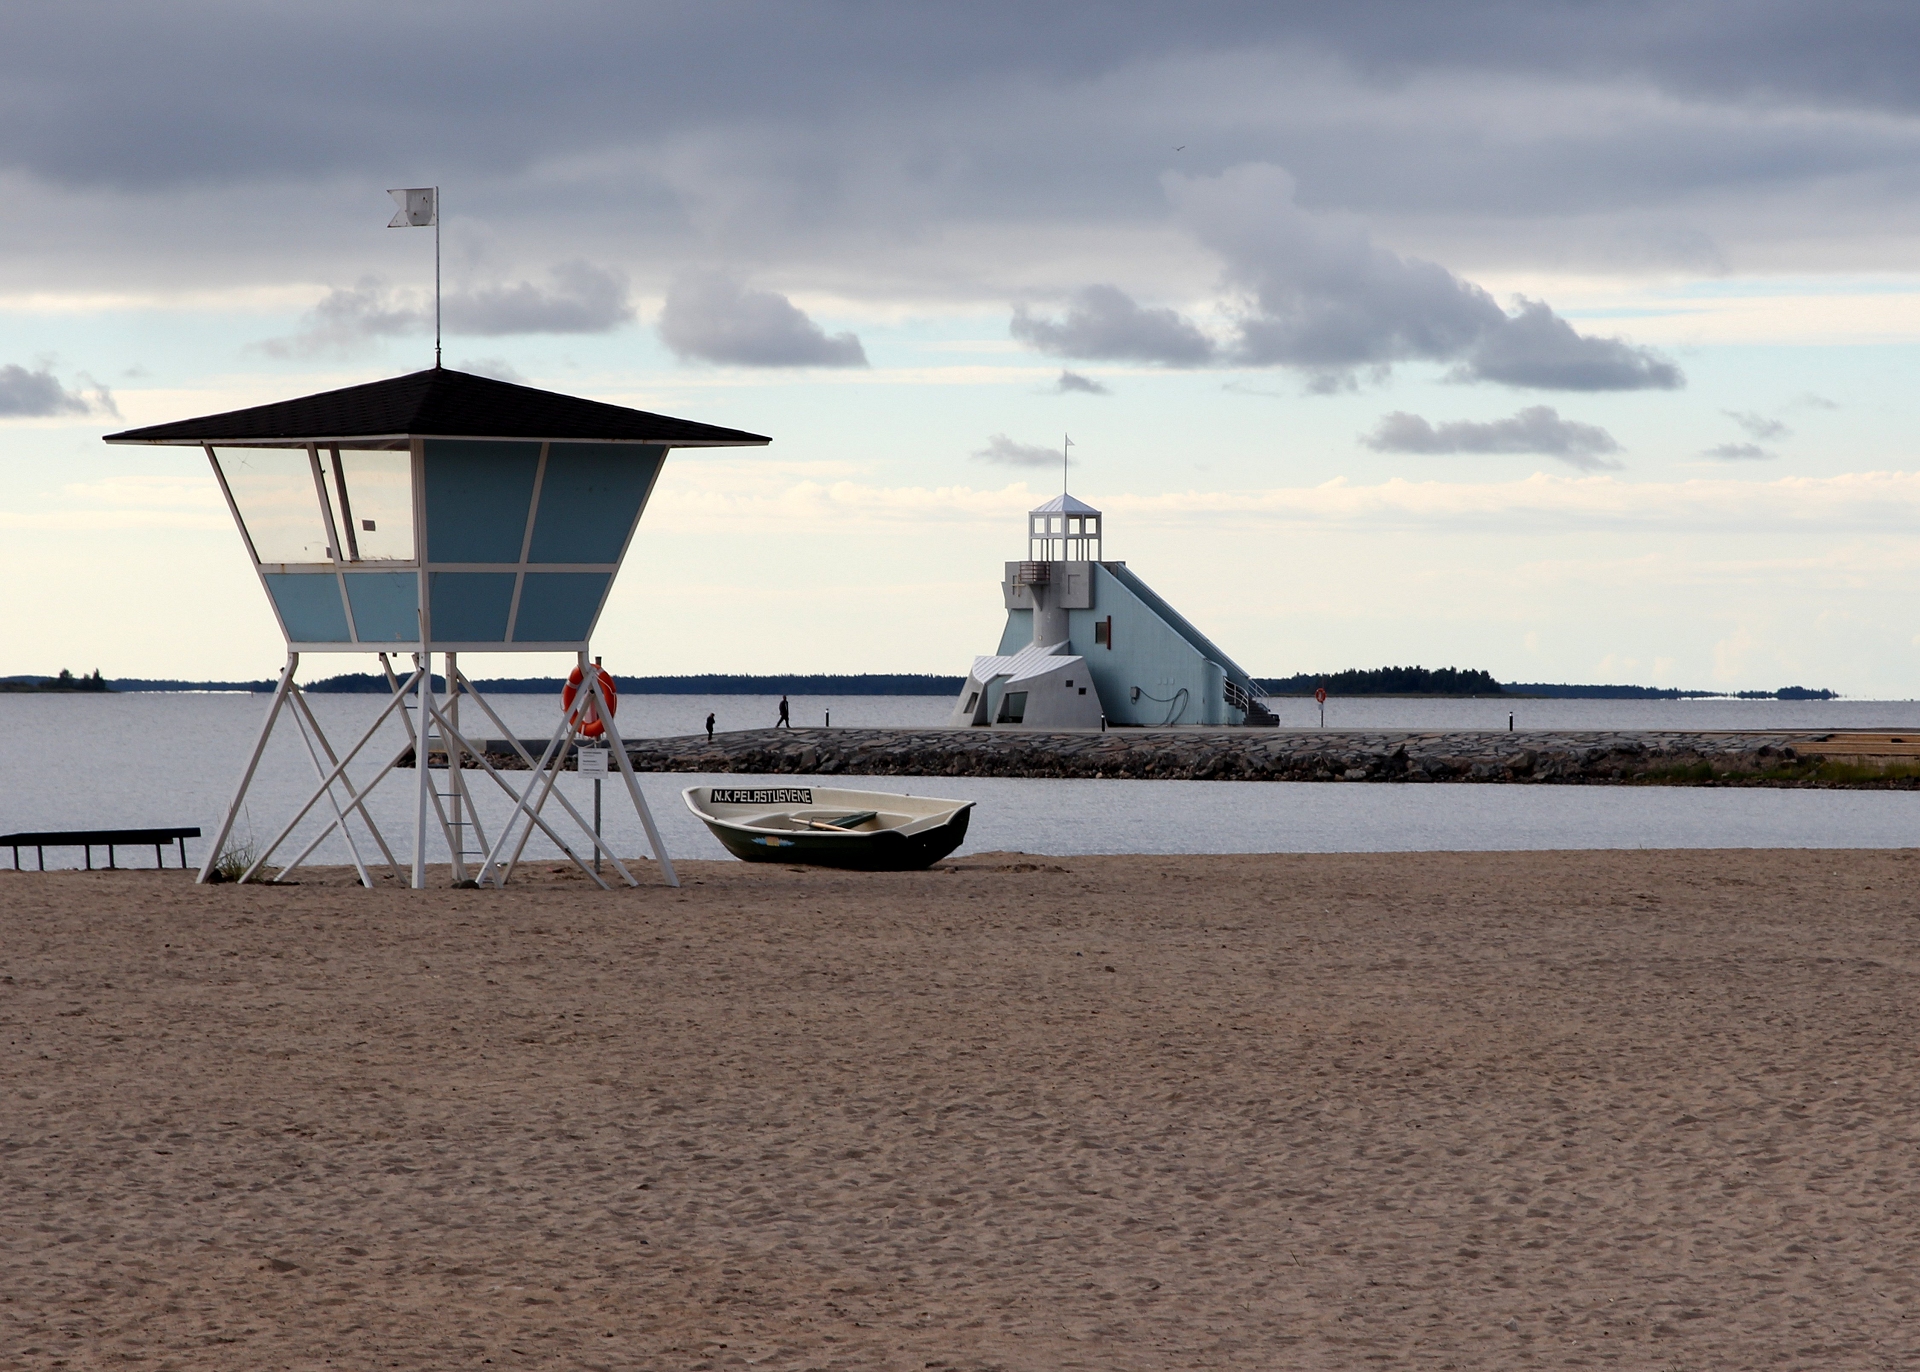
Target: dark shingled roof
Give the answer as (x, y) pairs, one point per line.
(437, 404)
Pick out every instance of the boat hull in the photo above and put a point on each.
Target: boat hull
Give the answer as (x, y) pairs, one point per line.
(882, 852)
(890, 849)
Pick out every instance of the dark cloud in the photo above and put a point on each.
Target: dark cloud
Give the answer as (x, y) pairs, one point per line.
(1536, 349)
(1536, 429)
(1104, 324)
(1757, 426)
(1072, 382)
(989, 152)
(348, 317)
(39, 395)
(581, 298)
(710, 317)
(137, 93)
(1008, 453)
(1739, 452)
(1321, 296)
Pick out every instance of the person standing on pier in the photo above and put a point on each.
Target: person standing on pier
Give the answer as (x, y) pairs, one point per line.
(785, 721)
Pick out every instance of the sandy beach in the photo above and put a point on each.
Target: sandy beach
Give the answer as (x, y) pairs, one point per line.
(1634, 1109)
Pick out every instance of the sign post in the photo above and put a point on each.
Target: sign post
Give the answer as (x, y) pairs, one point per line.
(1320, 696)
(593, 763)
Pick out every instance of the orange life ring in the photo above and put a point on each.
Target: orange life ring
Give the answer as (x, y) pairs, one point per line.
(592, 726)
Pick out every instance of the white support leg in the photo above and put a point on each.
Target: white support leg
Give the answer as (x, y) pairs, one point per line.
(538, 766)
(546, 784)
(320, 771)
(633, 784)
(456, 825)
(523, 806)
(524, 803)
(424, 790)
(253, 764)
(298, 699)
(359, 803)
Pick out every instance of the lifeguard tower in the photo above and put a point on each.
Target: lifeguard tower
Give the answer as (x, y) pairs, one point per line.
(1088, 643)
(446, 513)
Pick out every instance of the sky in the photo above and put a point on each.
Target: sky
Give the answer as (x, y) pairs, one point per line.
(1567, 341)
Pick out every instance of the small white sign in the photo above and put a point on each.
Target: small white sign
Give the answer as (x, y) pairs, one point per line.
(593, 761)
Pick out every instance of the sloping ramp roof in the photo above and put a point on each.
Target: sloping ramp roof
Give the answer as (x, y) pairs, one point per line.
(1036, 659)
(438, 403)
(1179, 623)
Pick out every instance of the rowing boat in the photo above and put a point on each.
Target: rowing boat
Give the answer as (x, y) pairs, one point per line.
(875, 831)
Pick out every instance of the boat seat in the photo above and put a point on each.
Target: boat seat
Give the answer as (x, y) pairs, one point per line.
(843, 821)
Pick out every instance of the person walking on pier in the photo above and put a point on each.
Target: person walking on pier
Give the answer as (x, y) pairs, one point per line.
(709, 726)
(785, 721)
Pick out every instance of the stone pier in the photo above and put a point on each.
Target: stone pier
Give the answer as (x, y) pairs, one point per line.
(1480, 756)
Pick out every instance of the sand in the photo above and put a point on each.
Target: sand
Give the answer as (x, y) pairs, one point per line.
(1645, 1110)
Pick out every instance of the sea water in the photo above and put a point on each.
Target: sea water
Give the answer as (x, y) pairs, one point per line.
(136, 759)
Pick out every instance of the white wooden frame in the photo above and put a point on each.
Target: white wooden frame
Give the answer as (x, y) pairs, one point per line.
(452, 821)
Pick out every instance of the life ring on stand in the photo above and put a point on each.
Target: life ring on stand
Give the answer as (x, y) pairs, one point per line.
(592, 726)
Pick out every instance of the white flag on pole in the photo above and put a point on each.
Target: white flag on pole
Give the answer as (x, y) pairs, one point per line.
(419, 208)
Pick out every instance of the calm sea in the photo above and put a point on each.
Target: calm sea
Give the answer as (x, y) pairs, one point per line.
(136, 759)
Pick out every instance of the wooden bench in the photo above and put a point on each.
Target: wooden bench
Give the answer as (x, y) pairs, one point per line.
(109, 839)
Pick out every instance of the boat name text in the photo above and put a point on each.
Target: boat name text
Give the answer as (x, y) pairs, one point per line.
(788, 795)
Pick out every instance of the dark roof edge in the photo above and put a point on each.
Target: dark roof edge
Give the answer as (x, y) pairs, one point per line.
(132, 436)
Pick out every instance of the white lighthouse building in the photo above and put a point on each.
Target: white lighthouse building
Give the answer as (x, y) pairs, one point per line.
(1088, 642)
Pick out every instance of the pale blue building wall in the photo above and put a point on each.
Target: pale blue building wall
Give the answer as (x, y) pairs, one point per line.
(1154, 647)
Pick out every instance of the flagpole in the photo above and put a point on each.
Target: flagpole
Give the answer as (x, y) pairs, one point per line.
(436, 278)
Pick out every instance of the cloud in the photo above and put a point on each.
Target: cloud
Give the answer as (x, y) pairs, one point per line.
(581, 298)
(711, 317)
(1008, 453)
(39, 395)
(1320, 296)
(1536, 429)
(496, 367)
(349, 317)
(1536, 349)
(1757, 426)
(1739, 452)
(1071, 382)
(727, 498)
(1103, 323)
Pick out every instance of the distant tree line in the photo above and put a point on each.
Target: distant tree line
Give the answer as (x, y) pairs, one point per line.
(1567, 692)
(66, 681)
(1461, 681)
(1378, 681)
(711, 684)
(1388, 681)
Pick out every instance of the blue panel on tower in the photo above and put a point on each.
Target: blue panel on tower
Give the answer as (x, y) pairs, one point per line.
(559, 607)
(386, 606)
(478, 495)
(309, 606)
(470, 607)
(589, 498)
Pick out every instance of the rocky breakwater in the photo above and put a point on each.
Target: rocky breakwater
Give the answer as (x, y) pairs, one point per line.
(1599, 757)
